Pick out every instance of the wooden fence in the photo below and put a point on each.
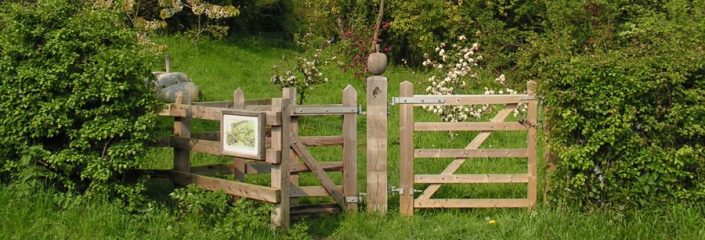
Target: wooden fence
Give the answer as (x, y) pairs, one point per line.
(284, 147)
(408, 153)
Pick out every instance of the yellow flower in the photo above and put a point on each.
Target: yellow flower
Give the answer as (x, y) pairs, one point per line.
(491, 222)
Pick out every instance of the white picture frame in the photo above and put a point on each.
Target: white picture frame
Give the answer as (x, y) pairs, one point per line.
(242, 134)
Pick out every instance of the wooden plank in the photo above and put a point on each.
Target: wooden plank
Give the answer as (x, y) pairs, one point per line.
(470, 153)
(182, 129)
(312, 164)
(377, 144)
(532, 117)
(239, 104)
(212, 136)
(454, 100)
(280, 172)
(290, 93)
(246, 190)
(217, 104)
(196, 145)
(326, 166)
(310, 191)
(258, 107)
(315, 209)
(214, 169)
(469, 126)
(472, 178)
(265, 101)
(324, 140)
(273, 118)
(350, 147)
(406, 151)
(472, 203)
(474, 144)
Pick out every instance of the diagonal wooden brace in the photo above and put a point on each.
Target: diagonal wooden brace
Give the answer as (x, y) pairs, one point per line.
(474, 144)
(318, 171)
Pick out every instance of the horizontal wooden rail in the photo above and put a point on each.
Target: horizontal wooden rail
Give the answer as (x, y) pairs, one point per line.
(469, 126)
(311, 191)
(470, 153)
(314, 209)
(245, 190)
(212, 113)
(196, 145)
(473, 203)
(217, 104)
(321, 140)
(326, 166)
(453, 100)
(472, 178)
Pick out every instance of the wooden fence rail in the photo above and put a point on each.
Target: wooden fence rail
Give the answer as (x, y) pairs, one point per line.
(283, 146)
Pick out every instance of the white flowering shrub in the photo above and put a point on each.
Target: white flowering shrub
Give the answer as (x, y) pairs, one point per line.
(305, 76)
(204, 12)
(454, 67)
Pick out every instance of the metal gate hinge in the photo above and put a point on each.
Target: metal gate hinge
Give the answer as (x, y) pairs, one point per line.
(395, 189)
(418, 100)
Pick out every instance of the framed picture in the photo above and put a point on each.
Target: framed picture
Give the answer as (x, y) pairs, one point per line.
(242, 134)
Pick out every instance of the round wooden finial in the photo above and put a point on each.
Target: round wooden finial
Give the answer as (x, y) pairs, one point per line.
(377, 63)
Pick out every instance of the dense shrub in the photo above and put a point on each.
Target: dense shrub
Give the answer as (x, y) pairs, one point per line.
(75, 109)
(625, 84)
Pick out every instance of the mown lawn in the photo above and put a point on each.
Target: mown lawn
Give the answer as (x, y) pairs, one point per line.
(221, 67)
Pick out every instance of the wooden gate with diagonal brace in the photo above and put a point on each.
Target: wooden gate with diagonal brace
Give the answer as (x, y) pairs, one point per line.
(408, 153)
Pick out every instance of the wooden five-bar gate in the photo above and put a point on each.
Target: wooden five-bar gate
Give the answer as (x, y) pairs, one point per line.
(284, 147)
(408, 153)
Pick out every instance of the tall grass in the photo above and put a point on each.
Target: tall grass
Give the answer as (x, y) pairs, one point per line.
(221, 67)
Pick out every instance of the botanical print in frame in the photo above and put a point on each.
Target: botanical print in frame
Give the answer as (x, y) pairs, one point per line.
(242, 134)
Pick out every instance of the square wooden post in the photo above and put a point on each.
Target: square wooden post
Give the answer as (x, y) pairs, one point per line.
(280, 172)
(377, 144)
(240, 168)
(350, 148)
(290, 93)
(532, 117)
(182, 129)
(406, 151)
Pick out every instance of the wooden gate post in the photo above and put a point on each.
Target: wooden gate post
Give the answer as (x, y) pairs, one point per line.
(532, 117)
(182, 129)
(350, 148)
(377, 144)
(290, 93)
(240, 168)
(280, 172)
(406, 151)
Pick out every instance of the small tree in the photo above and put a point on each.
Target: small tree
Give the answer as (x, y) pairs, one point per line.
(310, 75)
(204, 12)
(76, 109)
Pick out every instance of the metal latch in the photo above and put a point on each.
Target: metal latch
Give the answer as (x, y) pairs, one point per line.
(356, 199)
(418, 100)
(396, 189)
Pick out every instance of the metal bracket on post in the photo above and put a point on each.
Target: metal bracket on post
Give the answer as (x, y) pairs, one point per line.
(418, 100)
(396, 189)
(356, 199)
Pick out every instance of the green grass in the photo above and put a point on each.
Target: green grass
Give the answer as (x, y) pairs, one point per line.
(219, 68)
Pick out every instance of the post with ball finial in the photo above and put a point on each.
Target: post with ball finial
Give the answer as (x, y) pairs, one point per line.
(377, 134)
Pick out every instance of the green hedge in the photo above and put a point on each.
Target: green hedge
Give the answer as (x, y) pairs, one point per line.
(627, 117)
(75, 109)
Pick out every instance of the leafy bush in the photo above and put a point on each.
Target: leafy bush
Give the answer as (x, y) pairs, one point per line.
(75, 108)
(241, 219)
(626, 94)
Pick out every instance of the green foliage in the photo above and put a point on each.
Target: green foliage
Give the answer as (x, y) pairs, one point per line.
(242, 219)
(75, 108)
(625, 94)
